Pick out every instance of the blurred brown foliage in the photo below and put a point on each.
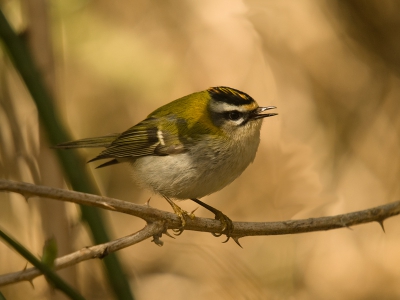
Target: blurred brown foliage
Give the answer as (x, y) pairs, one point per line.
(332, 69)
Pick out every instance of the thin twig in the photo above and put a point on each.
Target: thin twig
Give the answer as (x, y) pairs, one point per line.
(159, 221)
(98, 251)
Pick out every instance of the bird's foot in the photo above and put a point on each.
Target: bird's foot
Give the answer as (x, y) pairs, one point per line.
(227, 225)
(182, 214)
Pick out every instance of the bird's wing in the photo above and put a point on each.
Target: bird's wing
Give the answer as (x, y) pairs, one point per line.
(143, 139)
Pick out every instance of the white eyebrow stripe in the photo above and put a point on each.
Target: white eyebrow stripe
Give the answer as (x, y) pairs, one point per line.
(221, 107)
(160, 137)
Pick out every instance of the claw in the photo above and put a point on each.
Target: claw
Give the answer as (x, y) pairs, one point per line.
(227, 224)
(167, 234)
(148, 202)
(181, 214)
(191, 215)
(227, 239)
(178, 231)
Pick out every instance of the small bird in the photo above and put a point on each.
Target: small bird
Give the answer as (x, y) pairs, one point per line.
(188, 148)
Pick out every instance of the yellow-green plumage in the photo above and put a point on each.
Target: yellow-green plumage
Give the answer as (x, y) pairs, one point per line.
(190, 147)
(142, 139)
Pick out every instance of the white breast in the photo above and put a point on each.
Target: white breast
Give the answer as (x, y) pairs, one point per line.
(205, 169)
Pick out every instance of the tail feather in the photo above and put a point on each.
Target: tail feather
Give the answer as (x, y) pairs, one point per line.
(108, 163)
(96, 142)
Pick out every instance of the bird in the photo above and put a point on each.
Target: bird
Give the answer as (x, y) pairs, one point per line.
(189, 148)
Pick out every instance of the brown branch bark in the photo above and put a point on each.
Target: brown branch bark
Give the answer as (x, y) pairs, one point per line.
(149, 214)
(159, 221)
(87, 253)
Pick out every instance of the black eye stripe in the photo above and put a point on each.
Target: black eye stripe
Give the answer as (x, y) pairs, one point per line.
(233, 115)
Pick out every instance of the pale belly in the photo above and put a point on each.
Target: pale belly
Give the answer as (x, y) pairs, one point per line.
(191, 174)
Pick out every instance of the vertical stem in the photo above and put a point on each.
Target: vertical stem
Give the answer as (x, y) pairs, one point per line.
(71, 162)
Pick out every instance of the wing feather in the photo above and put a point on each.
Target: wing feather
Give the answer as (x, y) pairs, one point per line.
(140, 140)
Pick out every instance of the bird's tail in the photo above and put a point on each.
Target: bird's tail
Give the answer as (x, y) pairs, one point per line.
(102, 141)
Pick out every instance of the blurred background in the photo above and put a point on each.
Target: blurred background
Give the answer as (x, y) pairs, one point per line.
(332, 69)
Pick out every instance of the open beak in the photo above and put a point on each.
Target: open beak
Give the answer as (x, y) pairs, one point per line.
(258, 113)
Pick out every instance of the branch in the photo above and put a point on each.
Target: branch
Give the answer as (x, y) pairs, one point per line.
(98, 251)
(159, 221)
(172, 221)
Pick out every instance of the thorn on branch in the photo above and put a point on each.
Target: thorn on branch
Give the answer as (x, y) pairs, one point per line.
(236, 239)
(380, 222)
(27, 196)
(108, 206)
(343, 223)
(31, 282)
(104, 253)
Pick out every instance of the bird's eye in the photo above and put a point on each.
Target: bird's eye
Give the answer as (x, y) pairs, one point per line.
(234, 115)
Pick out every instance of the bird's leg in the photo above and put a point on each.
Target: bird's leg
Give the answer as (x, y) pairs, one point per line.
(227, 224)
(180, 213)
